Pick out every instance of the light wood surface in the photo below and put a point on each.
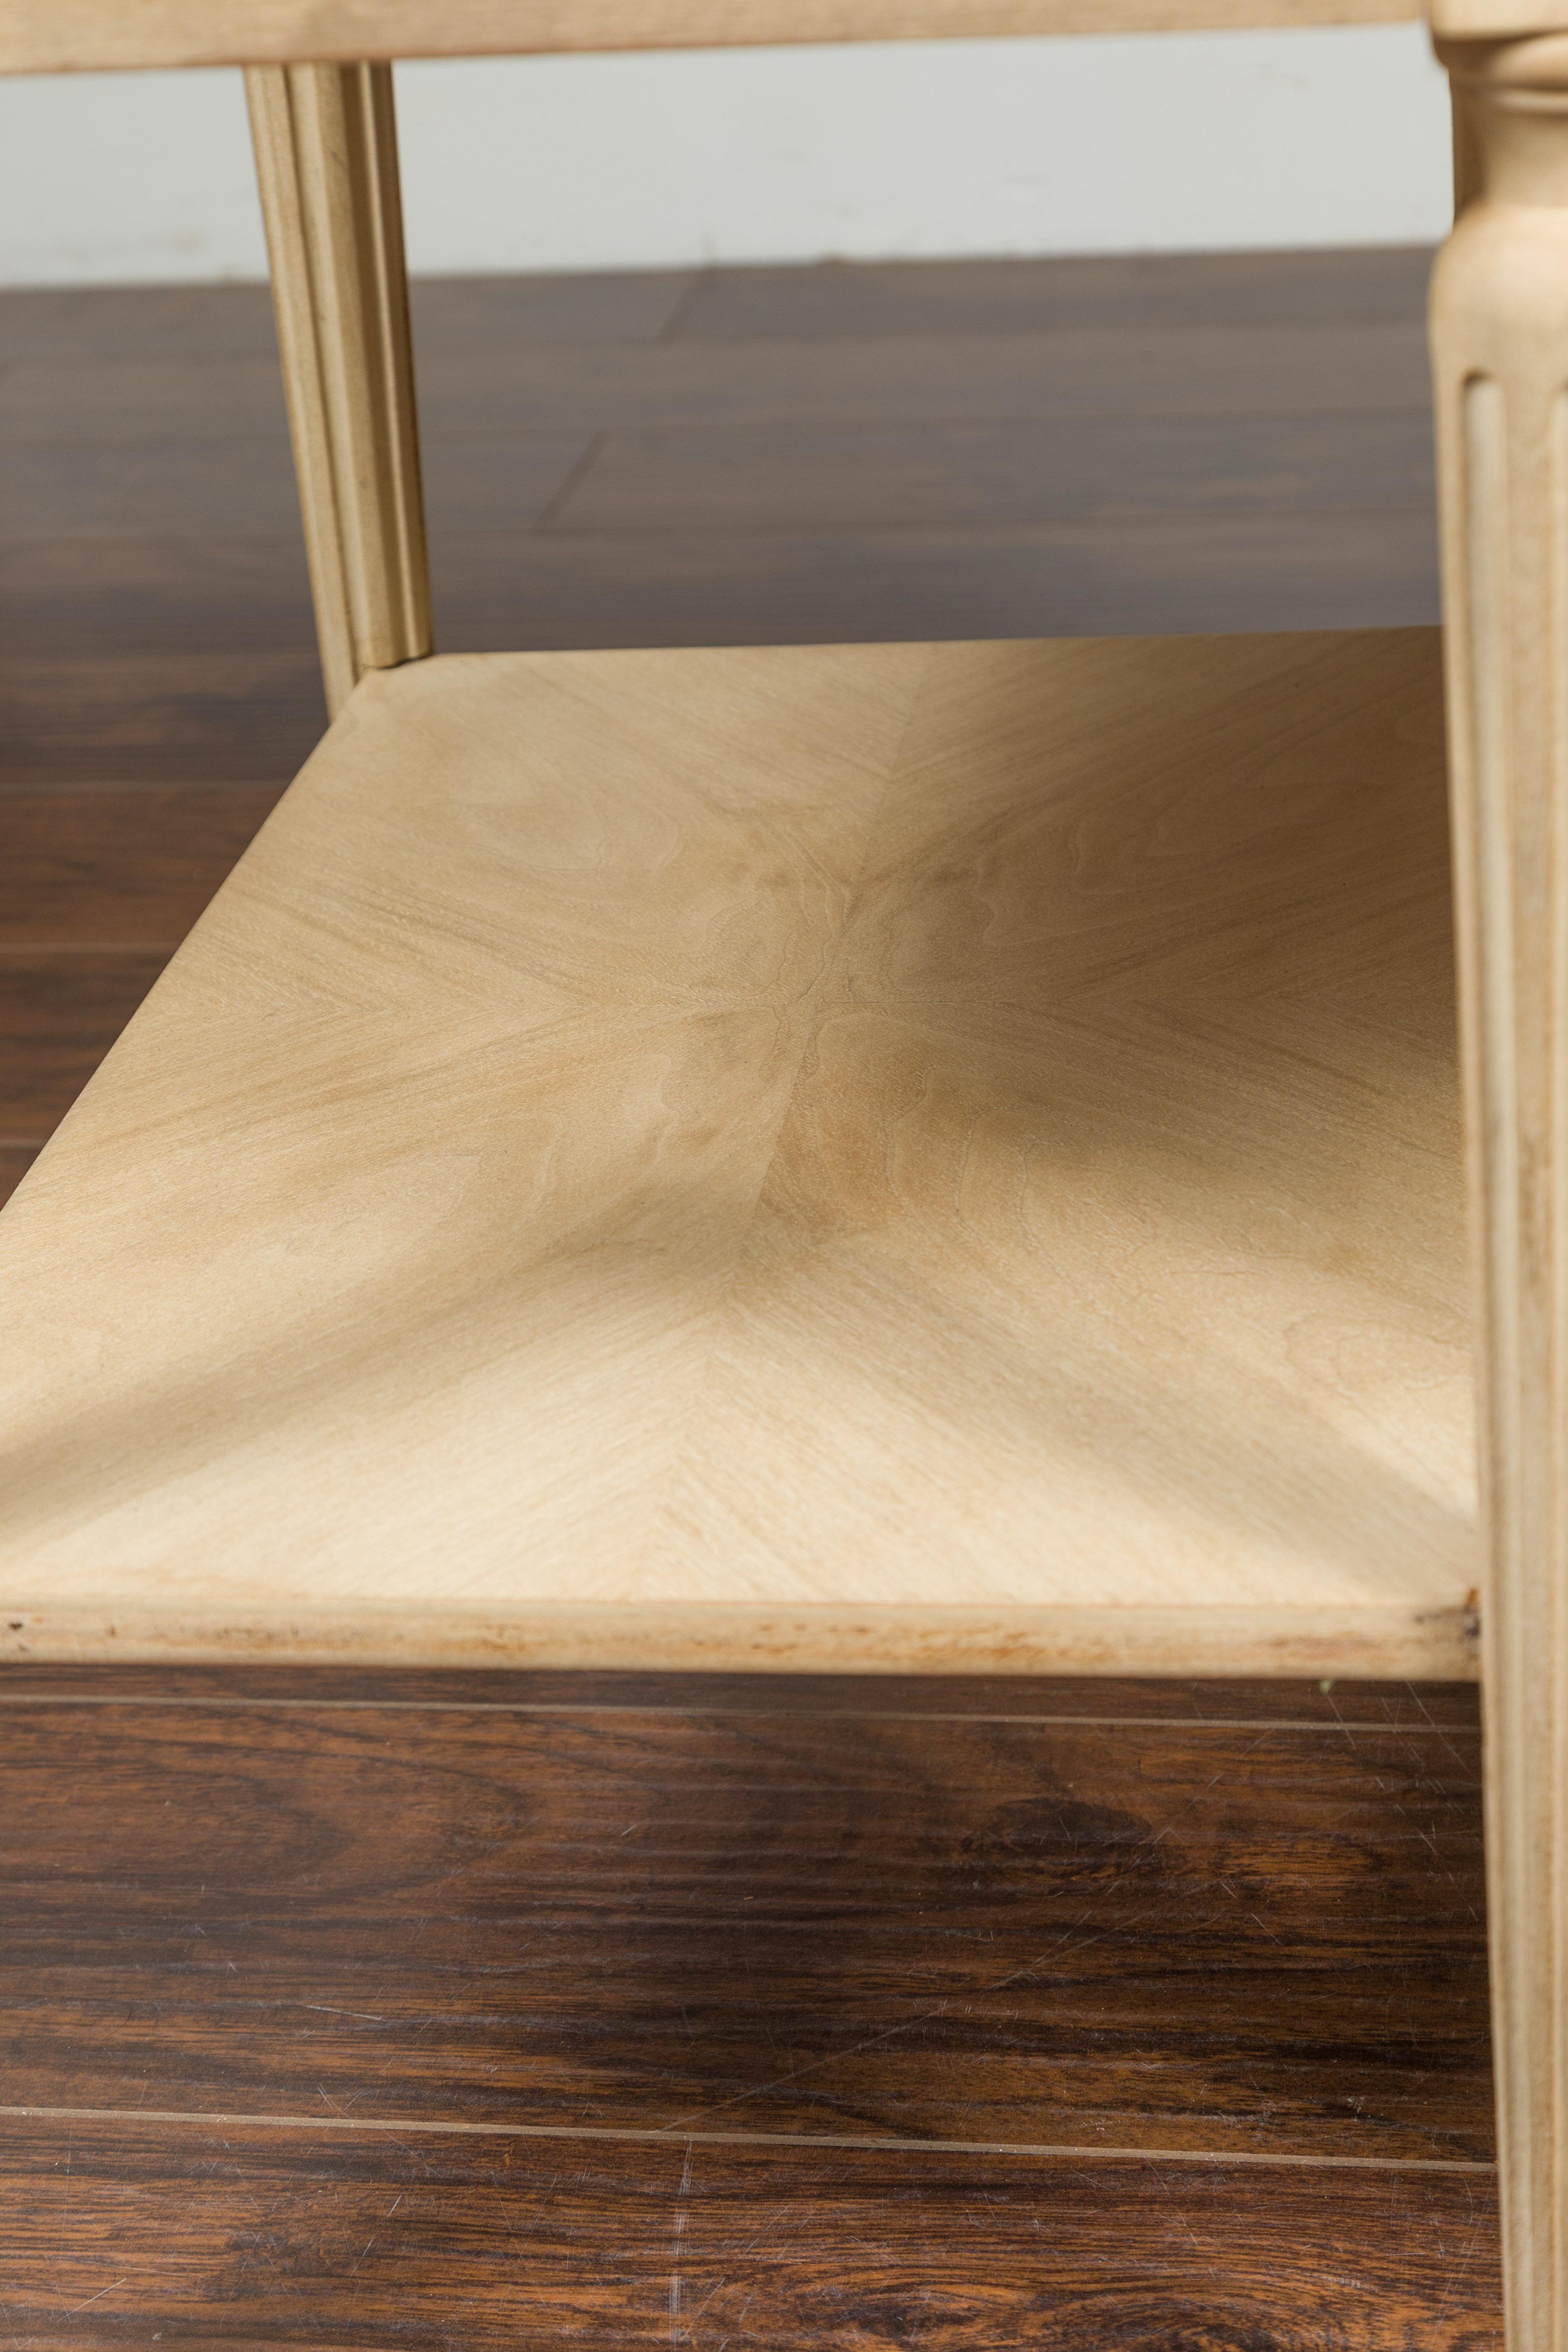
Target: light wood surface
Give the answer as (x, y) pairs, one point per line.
(67, 34)
(1499, 317)
(901, 1155)
(1466, 155)
(1489, 20)
(326, 153)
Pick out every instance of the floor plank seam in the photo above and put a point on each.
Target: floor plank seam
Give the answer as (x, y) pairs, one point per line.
(581, 466)
(683, 2136)
(684, 305)
(892, 527)
(748, 1714)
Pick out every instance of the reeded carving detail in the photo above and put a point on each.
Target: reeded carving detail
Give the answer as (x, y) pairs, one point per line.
(1499, 343)
(325, 151)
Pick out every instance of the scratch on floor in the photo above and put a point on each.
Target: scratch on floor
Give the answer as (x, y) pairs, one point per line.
(683, 2196)
(95, 2298)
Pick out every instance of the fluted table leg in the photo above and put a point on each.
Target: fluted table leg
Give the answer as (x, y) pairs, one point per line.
(1499, 339)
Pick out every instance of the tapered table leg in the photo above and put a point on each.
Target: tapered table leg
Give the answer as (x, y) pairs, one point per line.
(1500, 335)
(326, 153)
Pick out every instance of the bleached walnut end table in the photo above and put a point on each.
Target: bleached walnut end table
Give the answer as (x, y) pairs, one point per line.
(910, 1156)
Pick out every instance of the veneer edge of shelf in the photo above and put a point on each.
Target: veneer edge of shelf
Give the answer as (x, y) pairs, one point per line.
(1417, 1644)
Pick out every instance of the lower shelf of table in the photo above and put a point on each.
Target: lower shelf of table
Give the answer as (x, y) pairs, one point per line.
(833, 1157)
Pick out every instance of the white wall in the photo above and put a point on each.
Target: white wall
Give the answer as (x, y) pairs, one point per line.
(1170, 143)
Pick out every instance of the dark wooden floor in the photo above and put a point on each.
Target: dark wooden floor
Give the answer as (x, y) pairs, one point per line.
(452, 2010)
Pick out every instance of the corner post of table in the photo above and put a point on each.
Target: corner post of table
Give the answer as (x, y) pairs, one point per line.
(1500, 344)
(326, 153)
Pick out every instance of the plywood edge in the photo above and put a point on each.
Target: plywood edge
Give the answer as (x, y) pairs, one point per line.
(74, 36)
(1434, 1644)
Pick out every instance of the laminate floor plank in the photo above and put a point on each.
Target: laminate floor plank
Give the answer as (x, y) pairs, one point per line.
(243, 486)
(166, 322)
(930, 380)
(497, 590)
(118, 2231)
(506, 486)
(100, 489)
(491, 313)
(118, 596)
(1163, 573)
(60, 1011)
(15, 1159)
(997, 477)
(169, 718)
(884, 1926)
(531, 388)
(134, 866)
(487, 312)
(1424, 1708)
(1372, 286)
(1113, 485)
(122, 402)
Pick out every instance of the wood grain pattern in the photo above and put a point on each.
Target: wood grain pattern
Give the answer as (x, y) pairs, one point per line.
(847, 477)
(1148, 576)
(1229, 2042)
(106, 567)
(77, 34)
(1494, 20)
(127, 867)
(868, 1926)
(239, 488)
(160, 718)
(1500, 340)
(15, 1159)
(1420, 1707)
(234, 488)
(531, 387)
(496, 591)
(1100, 373)
(141, 594)
(60, 1011)
(197, 322)
(480, 313)
(1375, 286)
(327, 2237)
(818, 1290)
(492, 313)
(175, 396)
(325, 157)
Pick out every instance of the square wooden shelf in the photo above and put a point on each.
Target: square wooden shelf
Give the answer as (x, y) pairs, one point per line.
(941, 1157)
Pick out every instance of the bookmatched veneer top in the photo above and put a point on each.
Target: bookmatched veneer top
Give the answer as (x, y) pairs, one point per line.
(898, 1156)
